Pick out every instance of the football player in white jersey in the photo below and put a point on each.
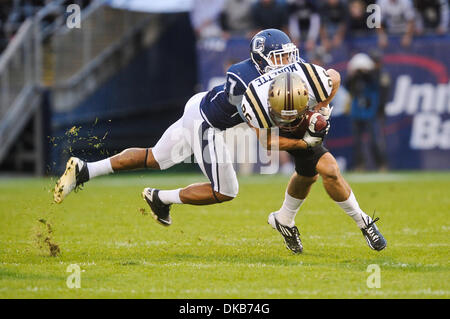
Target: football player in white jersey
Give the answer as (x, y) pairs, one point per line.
(279, 99)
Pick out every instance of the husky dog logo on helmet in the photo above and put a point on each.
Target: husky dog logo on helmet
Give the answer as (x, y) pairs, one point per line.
(271, 49)
(258, 44)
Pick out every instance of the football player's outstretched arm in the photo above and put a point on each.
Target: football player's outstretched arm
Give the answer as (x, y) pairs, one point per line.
(264, 134)
(279, 143)
(271, 142)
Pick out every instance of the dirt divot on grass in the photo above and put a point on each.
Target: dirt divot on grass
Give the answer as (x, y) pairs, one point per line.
(44, 238)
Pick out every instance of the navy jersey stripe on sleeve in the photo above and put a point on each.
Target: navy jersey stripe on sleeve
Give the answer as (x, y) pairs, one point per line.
(310, 81)
(320, 81)
(250, 101)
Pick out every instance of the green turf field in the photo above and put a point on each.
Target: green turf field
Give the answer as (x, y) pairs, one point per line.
(226, 250)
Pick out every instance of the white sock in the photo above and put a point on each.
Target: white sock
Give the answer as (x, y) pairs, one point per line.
(287, 212)
(170, 196)
(99, 168)
(351, 207)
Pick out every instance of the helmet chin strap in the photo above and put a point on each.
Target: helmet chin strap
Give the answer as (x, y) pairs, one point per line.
(268, 69)
(258, 67)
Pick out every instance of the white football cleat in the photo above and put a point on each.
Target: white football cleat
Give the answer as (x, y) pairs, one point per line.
(76, 174)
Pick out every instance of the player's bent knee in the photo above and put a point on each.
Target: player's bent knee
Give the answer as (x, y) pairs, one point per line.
(328, 168)
(227, 194)
(150, 161)
(223, 198)
(227, 190)
(331, 172)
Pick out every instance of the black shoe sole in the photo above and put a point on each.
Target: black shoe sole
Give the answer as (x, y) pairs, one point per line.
(371, 246)
(277, 225)
(159, 220)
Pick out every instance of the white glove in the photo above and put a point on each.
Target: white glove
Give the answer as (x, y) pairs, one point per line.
(326, 111)
(313, 121)
(312, 141)
(312, 138)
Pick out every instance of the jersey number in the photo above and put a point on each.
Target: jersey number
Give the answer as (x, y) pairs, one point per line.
(232, 85)
(330, 83)
(246, 115)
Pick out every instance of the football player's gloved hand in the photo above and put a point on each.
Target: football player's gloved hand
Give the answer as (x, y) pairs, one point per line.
(310, 140)
(326, 111)
(313, 139)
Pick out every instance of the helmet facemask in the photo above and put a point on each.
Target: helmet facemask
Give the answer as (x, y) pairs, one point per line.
(285, 122)
(275, 58)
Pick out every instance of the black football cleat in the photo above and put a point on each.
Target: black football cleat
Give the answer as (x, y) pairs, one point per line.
(291, 235)
(74, 176)
(160, 211)
(374, 239)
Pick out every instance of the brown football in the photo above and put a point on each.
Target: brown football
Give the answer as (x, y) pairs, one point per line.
(320, 124)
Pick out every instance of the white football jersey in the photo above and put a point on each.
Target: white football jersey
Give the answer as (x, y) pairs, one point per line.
(254, 106)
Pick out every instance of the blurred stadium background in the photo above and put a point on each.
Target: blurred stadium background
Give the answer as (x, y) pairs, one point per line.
(123, 75)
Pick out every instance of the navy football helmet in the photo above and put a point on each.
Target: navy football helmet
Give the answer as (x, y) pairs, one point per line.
(268, 47)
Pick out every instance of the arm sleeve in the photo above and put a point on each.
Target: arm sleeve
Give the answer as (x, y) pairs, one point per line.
(234, 88)
(247, 113)
(253, 109)
(318, 80)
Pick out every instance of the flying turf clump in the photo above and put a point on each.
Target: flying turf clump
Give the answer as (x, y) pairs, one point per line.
(73, 131)
(44, 239)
